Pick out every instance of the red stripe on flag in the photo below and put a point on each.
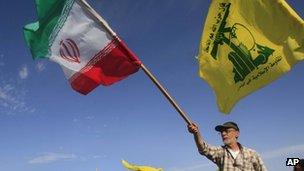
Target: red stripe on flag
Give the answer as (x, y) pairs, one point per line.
(112, 64)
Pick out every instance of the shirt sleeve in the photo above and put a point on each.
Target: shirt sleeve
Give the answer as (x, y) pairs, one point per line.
(259, 164)
(213, 153)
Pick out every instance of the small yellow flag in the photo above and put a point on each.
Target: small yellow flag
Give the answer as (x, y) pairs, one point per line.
(139, 168)
(246, 44)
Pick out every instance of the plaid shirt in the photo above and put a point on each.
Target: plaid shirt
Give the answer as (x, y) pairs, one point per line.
(246, 160)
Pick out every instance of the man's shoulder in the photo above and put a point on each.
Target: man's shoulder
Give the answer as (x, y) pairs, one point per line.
(249, 151)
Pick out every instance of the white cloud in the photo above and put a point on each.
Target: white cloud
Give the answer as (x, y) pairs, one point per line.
(75, 120)
(23, 73)
(89, 117)
(13, 93)
(285, 151)
(40, 66)
(52, 157)
(96, 156)
(12, 100)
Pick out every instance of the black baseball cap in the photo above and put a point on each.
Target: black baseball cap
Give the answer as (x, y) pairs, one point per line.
(227, 125)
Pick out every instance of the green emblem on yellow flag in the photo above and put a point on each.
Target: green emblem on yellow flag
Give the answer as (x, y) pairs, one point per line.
(246, 45)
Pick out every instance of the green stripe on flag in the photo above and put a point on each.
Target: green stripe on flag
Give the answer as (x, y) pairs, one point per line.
(51, 16)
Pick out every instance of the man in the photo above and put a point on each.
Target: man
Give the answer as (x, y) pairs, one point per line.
(232, 156)
(299, 166)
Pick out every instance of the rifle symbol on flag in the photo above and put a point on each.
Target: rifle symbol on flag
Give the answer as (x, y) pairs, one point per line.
(241, 56)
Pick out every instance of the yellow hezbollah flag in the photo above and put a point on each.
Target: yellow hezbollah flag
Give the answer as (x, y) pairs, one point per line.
(139, 168)
(246, 44)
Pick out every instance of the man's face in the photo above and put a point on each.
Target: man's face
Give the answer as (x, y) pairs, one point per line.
(229, 136)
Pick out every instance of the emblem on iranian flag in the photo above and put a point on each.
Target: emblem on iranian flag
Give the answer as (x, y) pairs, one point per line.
(69, 50)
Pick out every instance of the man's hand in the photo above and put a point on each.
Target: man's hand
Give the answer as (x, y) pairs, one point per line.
(193, 128)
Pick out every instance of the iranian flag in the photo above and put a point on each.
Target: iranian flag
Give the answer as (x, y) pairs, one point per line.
(72, 34)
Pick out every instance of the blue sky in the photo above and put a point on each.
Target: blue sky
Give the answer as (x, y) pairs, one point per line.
(45, 125)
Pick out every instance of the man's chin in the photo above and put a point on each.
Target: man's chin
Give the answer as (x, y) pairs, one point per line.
(226, 142)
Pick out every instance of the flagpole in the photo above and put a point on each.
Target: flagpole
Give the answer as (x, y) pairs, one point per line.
(95, 15)
(166, 94)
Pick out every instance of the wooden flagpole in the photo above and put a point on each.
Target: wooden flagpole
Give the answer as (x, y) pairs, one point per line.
(166, 94)
(104, 24)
